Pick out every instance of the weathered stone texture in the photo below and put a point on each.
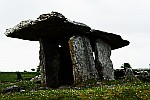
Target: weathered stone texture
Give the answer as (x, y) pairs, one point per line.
(82, 59)
(54, 25)
(102, 55)
(129, 75)
(54, 29)
(42, 64)
(50, 63)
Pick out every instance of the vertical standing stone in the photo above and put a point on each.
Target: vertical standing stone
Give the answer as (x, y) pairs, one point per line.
(82, 59)
(50, 63)
(103, 61)
(129, 75)
(42, 65)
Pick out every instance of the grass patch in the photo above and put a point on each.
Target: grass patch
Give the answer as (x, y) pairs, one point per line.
(12, 76)
(106, 90)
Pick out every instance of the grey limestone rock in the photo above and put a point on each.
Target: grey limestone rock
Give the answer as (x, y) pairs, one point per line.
(103, 57)
(57, 65)
(129, 75)
(82, 59)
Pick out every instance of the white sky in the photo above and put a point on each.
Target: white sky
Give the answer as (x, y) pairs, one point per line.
(128, 18)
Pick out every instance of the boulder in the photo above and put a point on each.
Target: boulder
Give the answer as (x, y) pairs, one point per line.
(129, 75)
(14, 88)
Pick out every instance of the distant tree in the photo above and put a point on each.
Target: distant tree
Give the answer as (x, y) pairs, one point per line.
(25, 71)
(126, 65)
(33, 69)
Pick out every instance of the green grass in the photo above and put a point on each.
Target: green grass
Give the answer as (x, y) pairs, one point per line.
(12, 76)
(126, 91)
(108, 90)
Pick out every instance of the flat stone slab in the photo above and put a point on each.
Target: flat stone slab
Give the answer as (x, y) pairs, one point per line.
(55, 26)
(114, 40)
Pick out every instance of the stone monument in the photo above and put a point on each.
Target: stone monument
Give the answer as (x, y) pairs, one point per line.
(70, 51)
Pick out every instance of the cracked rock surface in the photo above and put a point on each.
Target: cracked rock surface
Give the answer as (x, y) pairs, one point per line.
(56, 26)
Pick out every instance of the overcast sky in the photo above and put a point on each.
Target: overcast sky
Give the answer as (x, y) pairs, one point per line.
(128, 18)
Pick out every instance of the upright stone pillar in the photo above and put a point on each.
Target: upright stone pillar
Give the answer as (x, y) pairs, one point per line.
(49, 62)
(42, 65)
(82, 59)
(103, 61)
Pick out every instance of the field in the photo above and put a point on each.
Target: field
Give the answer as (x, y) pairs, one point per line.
(12, 76)
(90, 90)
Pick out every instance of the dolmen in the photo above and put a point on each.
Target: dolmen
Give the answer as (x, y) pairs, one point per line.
(70, 52)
